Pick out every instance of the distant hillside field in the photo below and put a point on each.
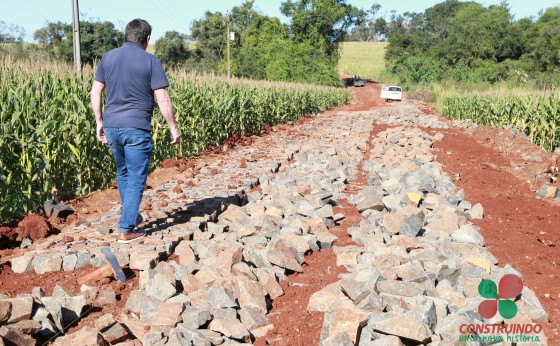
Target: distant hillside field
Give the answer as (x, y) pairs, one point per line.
(365, 59)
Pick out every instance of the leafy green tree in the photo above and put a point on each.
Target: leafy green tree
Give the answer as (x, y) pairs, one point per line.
(171, 49)
(209, 34)
(407, 37)
(463, 37)
(372, 29)
(267, 52)
(542, 41)
(96, 38)
(321, 23)
(56, 39)
(263, 48)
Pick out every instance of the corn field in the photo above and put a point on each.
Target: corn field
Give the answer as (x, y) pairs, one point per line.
(48, 137)
(536, 116)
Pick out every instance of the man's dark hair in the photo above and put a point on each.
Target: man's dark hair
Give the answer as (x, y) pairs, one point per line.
(137, 31)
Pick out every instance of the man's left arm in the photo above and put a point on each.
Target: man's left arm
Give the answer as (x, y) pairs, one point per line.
(166, 109)
(96, 100)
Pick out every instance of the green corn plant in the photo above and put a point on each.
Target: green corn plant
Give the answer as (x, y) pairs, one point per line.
(47, 131)
(535, 116)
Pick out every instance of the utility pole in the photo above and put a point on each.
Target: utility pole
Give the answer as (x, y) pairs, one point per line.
(76, 30)
(227, 38)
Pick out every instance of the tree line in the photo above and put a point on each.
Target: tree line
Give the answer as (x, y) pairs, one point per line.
(305, 50)
(461, 41)
(467, 42)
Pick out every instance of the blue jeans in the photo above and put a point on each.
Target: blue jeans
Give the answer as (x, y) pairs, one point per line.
(132, 149)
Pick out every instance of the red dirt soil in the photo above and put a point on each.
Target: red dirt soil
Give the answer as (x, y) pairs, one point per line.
(516, 221)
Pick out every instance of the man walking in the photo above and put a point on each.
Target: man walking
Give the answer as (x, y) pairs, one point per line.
(132, 77)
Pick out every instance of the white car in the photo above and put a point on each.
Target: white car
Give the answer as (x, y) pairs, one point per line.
(392, 92)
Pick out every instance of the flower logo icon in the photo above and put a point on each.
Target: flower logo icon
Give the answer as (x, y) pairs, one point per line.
(500, 299)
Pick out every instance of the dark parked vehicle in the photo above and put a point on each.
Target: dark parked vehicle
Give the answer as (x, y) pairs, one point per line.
(358, 82)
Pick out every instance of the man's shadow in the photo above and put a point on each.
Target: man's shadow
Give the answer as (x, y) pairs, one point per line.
(207, 208)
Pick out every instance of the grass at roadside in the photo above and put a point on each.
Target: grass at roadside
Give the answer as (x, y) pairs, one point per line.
(365, 59)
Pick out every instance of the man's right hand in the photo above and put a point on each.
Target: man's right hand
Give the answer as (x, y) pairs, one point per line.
(176, 134)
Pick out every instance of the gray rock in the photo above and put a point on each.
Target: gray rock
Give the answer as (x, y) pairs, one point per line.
(86, 336)
(409, 325)
(195, 318)
(326, 239)
(21, 308)
(342, 326)
(372, 302)
(142, 260)
(5, 311)
(64, 310)
(532, 306)
(153, 338)
(280, 254)
(468, 234)
(250, 294)
(268, 281)
(323, 300)
(476, 212)
(69, 262)
(448, 327)
(355, 290)
(29, 327)
(160, 288)
(84, 258)
(252, 319)
(21, 264)
(393, 202)
(46, 263)
(338, 217)
(326, 211)
(401, 288)
(413, 223)
(215, 228)
(386, 340)
(230, 327)
(531, 158)
(220, 297)
(374, 202)
(305, 208)
(548, 191)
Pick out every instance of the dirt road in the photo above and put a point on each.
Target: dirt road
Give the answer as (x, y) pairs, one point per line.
(498, 168)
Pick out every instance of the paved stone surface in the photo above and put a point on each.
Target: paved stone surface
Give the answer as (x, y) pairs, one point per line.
(414, 275)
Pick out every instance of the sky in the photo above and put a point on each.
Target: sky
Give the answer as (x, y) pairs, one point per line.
(167, 15)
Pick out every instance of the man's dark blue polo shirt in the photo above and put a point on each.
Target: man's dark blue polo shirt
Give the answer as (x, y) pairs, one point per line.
(130, 75)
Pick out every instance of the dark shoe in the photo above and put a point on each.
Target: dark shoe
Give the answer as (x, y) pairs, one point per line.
(129, 237)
